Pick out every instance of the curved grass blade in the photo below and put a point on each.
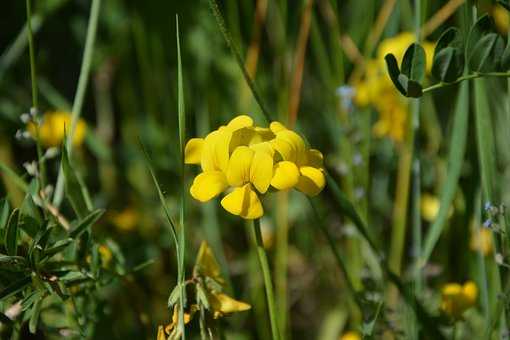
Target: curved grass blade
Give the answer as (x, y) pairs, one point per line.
(237, 55)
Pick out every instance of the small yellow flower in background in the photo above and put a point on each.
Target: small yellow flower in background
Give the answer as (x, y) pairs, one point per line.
(351, 335)
(429, 207)
(501, 19)
(106, 255)
(376, 88)
(456, 298)
(246, 160)
(208, 296)
(54, 126)
(207, 266)
(125, 220)
(481, 240)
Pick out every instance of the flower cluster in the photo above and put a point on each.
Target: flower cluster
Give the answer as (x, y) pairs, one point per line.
(456, 298)
(376, 88)
(249, 160)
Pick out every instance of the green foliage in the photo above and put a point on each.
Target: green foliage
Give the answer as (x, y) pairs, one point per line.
(407, 80)
(448, 62)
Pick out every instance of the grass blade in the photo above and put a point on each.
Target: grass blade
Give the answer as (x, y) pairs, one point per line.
(182, 141)
(455, 160)
(74, 187)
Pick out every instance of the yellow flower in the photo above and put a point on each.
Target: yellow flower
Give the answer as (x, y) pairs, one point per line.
(172, 328)
(206, 264)
(351, 335)
(248, 160)
(54, 127)
(481, 240)
(429, 207)
(125, 220)
(456, 298)
(207, 267)
(501, 19)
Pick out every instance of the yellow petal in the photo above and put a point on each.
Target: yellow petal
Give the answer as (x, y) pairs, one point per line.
(284, 148)
(240, 122)
(297, 151)
(242, 137)
(263, 147)
(243, 202)
(311, 181)
(161, 333)
(193, 151)
(261, 171)
(206, 263)
(223, 304)
(315, 158)
(208, 185)
(277, 127)
(470, 291)
(215, 151)
(286, 175)
(238, 171)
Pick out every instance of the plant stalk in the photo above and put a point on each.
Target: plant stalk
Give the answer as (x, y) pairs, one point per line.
(266, 273)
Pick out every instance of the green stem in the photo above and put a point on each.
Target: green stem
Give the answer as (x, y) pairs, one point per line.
(266, 273)
(35, 98)
(467, 77)
(80, 90)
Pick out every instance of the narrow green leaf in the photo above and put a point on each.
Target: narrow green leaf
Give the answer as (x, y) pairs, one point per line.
(57, 247)
(15, 287)
(11, 233)
(13, 176)
(455, 161)
(74, 188)
(4, 217)
(394, 72)
(86, 222)
(13, 263)
(34, 317)
(413, 63)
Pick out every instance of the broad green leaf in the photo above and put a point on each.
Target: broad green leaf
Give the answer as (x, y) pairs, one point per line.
(504, 63)
(86, 222)
(15, 287)
(394, 72)
(75, 190)
(484, 47)
(413, 64)
(483, 26)
(449, 56)
(455, 161)
(487, 53)
(413, 88)
(11, 233)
